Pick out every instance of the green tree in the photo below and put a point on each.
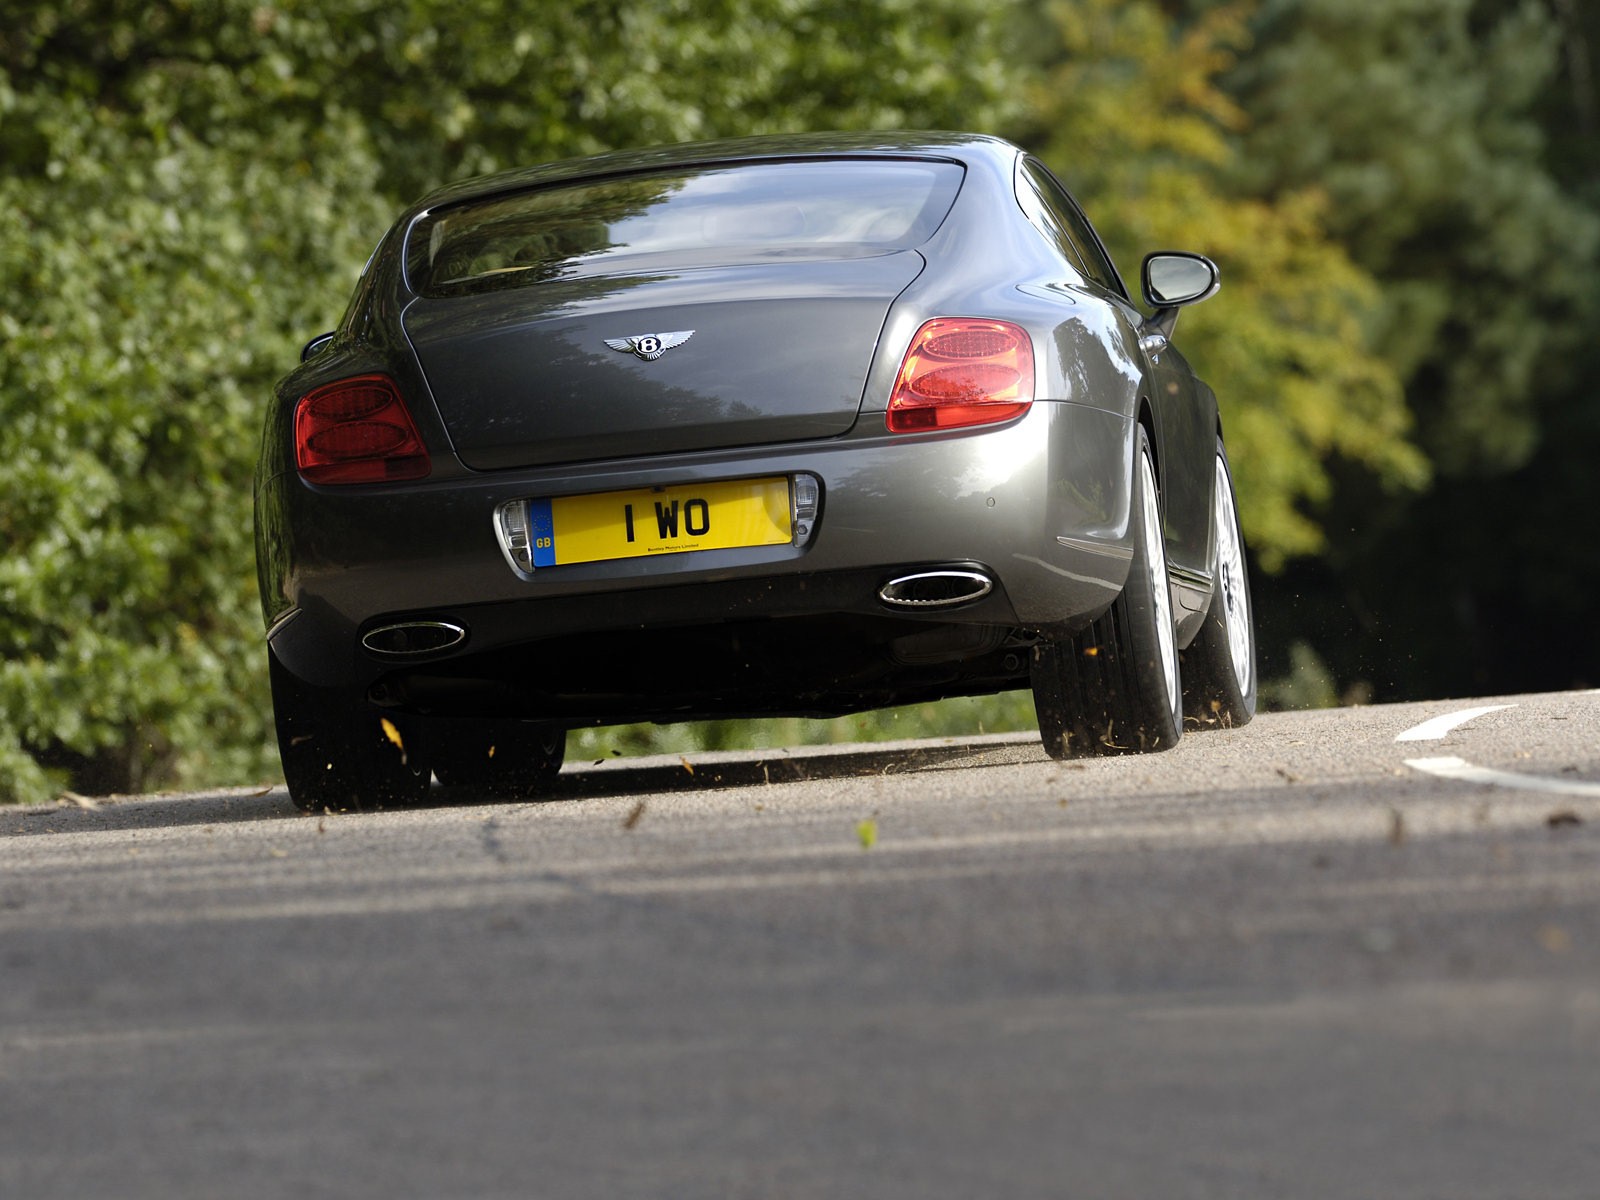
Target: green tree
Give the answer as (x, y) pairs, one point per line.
(163, 272)
(1133, 118)
(1416, 117)
(1455, 140)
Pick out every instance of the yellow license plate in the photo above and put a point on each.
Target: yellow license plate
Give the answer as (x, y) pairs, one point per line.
(672, 520)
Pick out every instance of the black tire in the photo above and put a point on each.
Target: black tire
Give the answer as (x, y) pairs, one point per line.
(500, 759)
(340, 753)
(1219, 667)
(1114, 689)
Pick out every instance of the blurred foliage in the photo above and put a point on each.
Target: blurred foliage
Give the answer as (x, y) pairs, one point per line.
(1306, 684)
(1457, 143)
(1416, 119)
(161, 275)
(1008, 712)
(1401, 194)
(1131, 115)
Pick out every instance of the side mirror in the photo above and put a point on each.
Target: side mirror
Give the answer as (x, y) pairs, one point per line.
(1172, 278)
(315, 345)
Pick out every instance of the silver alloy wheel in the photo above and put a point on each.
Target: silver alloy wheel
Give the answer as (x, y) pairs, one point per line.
(1231, 578)
(1160, 589)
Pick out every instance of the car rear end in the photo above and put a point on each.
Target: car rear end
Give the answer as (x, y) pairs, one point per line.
(687, 441)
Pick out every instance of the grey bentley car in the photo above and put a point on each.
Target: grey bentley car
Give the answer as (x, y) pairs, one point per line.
(801, 425)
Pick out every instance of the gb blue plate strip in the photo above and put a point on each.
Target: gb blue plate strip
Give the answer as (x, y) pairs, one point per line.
(542, 533)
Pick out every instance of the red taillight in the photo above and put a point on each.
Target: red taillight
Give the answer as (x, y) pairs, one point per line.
(962, 371)
(357, 431)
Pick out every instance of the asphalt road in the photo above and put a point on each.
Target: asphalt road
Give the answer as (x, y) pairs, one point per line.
(1299, 959)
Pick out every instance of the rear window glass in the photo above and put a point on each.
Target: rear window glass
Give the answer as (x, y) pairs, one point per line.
(746, 213)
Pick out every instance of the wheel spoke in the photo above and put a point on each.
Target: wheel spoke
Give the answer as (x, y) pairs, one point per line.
(1160, 591)
(1230, 568)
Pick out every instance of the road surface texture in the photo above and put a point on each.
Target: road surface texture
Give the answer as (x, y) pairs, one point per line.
(1301, 959)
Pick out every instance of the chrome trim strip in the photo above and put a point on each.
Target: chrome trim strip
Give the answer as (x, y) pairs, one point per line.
(1107, 549)
(1189, 578)
(277, 626)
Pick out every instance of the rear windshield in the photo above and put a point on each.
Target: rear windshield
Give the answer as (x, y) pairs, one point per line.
(747, 213)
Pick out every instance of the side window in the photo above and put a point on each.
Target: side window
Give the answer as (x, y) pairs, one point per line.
(1043, 217)
(1068, 218)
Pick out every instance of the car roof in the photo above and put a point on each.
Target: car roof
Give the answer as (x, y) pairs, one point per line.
(963, 147)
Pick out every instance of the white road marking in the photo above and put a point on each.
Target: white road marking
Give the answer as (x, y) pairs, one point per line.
(1460, 769)
(1432, 731)
(1455, 768)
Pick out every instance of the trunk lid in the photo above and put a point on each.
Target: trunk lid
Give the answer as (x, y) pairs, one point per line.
(535, 375)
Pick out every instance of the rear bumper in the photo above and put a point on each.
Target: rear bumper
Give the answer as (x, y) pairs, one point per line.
(1041, 505)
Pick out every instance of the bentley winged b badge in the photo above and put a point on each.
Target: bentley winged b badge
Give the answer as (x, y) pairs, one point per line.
(650, 346)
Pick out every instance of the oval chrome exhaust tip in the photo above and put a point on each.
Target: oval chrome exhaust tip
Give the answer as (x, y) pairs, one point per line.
(411, 638)
(935, 589)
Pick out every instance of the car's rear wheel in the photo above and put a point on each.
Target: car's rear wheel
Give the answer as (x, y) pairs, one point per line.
(1114, 689)
(1219, 667)
(340, 753)
(501, 759)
